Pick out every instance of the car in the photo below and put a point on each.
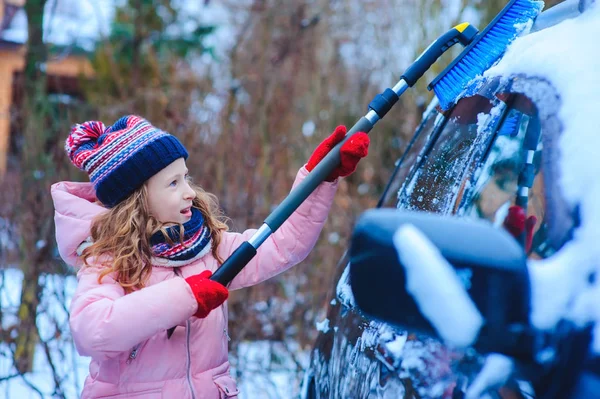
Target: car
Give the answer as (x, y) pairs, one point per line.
(498, 147)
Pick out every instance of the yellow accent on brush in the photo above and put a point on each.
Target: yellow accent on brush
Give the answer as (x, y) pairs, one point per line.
(461, 28)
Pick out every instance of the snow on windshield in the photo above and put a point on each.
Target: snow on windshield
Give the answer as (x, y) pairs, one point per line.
(567, 56)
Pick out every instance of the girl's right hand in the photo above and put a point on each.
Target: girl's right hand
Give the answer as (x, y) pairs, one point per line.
(209, 294)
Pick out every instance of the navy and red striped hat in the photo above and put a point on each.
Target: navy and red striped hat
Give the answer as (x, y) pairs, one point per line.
(120, 158)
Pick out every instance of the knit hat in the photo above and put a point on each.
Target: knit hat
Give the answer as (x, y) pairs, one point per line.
(120, 158)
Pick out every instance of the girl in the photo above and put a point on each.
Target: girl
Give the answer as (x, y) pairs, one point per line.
(146, 241)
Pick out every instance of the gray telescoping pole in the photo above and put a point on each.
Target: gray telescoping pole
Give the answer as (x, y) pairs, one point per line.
(378, 108)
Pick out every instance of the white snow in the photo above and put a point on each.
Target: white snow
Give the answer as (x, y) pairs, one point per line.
(67, 22)
(308, 128)
(436, 288)
(413, 363)
(486, 121)
(270, 369)
(323, 326)
(333, 237)
(495, 372)
(343, 290)
(396, 345)
(70, 367)
(567, 56)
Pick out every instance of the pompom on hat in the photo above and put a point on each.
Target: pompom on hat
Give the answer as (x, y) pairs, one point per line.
(120, 158)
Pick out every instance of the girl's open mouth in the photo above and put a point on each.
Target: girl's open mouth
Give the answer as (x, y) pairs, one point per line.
(187, 212)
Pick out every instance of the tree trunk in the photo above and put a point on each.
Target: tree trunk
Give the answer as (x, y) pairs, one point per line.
(35, 213)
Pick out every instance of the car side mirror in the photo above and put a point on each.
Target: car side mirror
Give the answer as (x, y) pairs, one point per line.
(489, 262)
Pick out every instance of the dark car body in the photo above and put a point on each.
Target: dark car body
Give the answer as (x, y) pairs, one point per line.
(467, 161)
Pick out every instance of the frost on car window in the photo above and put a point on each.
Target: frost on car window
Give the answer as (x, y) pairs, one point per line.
(495, 184)
(414, 152)
(455, 153)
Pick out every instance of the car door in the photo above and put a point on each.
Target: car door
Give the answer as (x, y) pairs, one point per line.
(471, 162)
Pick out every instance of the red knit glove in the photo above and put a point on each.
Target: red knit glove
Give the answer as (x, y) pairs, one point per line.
(209, 294)
(517, 222)
(351, 152)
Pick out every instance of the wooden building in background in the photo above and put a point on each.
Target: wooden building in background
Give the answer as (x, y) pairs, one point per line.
(64, 73)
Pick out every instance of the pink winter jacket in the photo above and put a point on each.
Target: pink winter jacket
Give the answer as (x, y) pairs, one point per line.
(125, 335)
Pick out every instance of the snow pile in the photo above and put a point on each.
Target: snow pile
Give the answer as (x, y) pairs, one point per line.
(567, 56)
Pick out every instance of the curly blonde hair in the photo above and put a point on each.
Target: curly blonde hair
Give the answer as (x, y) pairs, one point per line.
(121, 237)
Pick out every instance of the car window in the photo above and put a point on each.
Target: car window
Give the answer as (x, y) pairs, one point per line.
(412, 156)
(436, 184)
(504, 175)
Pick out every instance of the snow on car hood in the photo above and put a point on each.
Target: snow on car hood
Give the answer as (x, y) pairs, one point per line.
(567, 55)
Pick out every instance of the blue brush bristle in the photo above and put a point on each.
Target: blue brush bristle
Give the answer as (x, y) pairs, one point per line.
(510, 126)
(485, 51)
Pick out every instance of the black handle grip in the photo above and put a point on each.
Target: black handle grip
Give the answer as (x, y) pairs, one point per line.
(234, 264)
(463, 34)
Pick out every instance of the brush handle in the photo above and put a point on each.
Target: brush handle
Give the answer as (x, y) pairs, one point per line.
(463, 33)
(380, 105)
(234, 264)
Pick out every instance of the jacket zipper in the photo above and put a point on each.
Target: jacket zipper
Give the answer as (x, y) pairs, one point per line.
(189, 358)
(187, 348)
(225, 322)
(133, 354)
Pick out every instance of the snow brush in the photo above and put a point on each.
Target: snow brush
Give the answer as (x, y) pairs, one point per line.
(484, 50)
(481, 52)
(464, 34)
(378, 108)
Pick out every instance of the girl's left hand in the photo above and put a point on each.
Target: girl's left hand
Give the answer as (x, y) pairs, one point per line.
(351, 152)
(209, 294)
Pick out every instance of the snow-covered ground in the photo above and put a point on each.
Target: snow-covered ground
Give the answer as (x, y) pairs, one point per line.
(52, 322)
(263, 369)
(270, 370)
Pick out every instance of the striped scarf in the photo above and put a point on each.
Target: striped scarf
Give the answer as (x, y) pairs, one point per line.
(196, 243)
